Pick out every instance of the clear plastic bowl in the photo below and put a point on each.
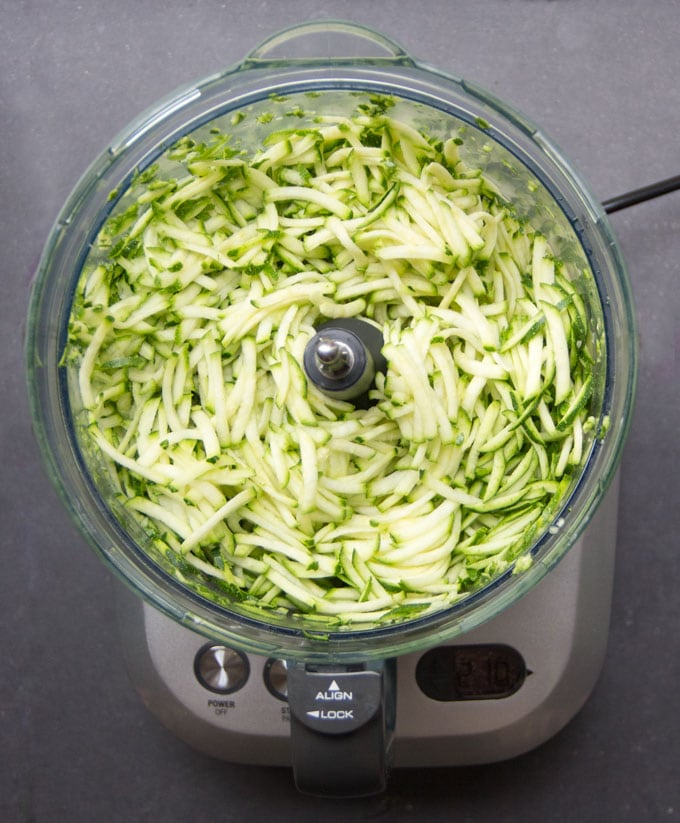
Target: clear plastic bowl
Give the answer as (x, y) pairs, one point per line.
(527, 167)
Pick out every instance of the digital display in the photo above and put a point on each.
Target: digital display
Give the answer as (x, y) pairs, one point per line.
(471, 672)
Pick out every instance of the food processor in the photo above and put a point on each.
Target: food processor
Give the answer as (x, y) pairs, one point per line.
(491, 676)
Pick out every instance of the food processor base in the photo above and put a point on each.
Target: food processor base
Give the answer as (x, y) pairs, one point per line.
(487, 695)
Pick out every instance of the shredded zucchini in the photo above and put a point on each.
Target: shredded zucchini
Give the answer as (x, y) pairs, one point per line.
(186, 343)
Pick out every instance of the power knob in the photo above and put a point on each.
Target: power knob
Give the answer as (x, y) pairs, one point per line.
(221, 669)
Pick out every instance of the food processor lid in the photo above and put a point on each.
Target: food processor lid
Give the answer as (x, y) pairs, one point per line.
(264, 80)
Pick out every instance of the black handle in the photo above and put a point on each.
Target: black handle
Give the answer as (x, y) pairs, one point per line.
(342, 724)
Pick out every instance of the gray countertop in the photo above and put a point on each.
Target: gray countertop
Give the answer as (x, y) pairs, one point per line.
(602, 79)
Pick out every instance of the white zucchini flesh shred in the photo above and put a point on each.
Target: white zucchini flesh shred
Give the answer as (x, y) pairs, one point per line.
(186, 342)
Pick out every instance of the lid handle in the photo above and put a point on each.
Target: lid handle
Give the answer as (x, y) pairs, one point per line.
(328, 40)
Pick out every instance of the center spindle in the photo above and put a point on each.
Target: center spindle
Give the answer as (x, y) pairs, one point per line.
(335, 357)
(343, 357)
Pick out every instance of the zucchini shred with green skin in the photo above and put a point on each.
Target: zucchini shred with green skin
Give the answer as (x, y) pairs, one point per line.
(185, 347)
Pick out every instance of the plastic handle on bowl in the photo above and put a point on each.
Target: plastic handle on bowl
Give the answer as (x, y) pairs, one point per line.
(328, 41)
(342, 724)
